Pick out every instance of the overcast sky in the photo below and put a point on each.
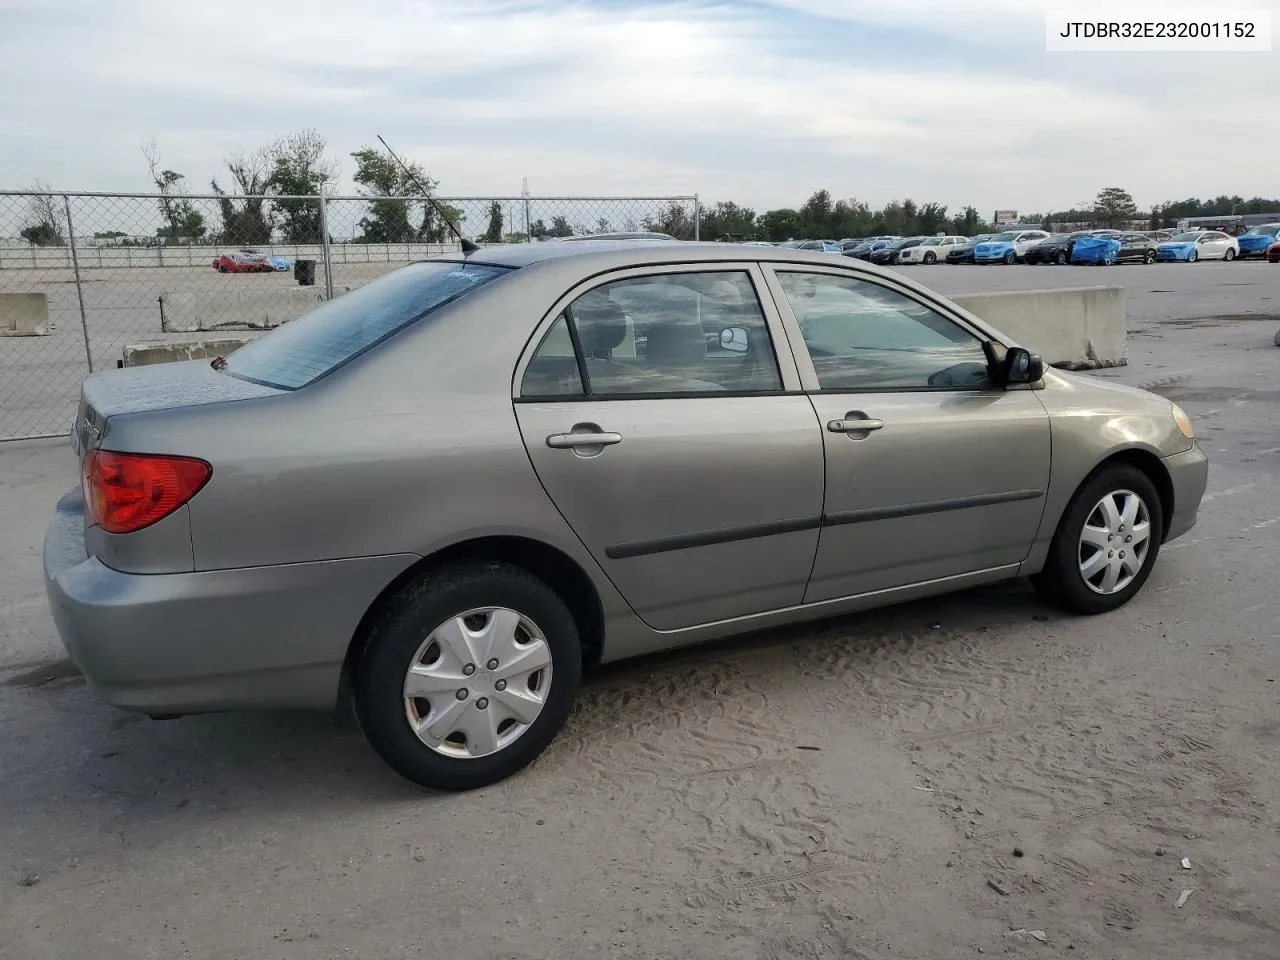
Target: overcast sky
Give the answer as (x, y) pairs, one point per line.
(759, 101)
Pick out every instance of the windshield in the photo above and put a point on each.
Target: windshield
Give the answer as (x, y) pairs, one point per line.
(931, 242)
(306, 349)
(1186, 238)
(1268, 230)
(1005, 236)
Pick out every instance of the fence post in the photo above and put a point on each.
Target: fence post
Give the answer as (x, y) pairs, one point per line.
(75, 266)
(697, 218)
(325, 252)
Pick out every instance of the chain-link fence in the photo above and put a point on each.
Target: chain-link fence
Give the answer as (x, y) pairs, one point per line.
(84, 275)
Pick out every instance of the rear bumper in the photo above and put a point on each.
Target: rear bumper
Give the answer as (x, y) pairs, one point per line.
(1189, 474)
(216, 640)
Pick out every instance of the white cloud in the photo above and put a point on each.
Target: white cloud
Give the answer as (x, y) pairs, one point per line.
(644, 97)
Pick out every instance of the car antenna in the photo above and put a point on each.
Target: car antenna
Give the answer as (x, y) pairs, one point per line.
(468, 247)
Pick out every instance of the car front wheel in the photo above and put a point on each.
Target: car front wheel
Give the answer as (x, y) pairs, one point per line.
(1106, 543)
(467, 675)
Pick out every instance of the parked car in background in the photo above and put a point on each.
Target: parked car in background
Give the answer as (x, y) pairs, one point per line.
(1136, 248)
(280, 263)
(821, 246)
(244, 261)
(1008, 247)
(1053, 249)
(1198, 245)
(1255, 242)
(444, 493)
(930, 250)
(888, 254)
(964, 252)
(1273, 253)
(1161, 235)
(862, 251)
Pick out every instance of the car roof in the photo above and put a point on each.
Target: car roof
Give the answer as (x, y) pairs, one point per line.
(633, 252)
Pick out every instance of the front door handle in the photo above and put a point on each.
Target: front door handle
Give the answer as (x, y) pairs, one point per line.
(854, 422)
(583, 435)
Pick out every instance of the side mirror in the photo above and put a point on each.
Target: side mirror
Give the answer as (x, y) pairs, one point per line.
(1020, 365)
(734, 339)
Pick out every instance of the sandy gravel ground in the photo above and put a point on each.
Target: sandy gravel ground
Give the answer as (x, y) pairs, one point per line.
(978, 775)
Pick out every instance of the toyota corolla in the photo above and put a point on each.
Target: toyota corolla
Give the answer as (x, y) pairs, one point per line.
(446, 492)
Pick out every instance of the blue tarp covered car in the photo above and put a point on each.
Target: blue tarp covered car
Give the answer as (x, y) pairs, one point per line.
(995, 251)
(1095, 250)
(1255, 242)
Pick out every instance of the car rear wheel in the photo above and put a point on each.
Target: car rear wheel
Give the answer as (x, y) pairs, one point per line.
(1149, 258)
(1010, 257)
(467, 675)
(1229, 256)
(930, 258)
(1060, 258)
(1106, 542)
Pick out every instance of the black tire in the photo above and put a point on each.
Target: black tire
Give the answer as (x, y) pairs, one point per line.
(1061, 258)
(1229, 256)
(930, 258)
(1149, 258)
(399, 630)
(1010, 257)
(1193, 256)
(1061, 581)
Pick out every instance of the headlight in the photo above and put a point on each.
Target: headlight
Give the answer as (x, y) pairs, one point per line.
(1184, 422)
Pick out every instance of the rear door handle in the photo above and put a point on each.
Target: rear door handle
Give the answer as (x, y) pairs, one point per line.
(569, 441)
(854, 426)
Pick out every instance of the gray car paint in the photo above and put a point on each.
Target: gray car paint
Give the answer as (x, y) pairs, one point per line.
(321, 497)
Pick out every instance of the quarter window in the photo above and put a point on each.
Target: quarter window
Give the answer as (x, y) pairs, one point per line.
(862, 336)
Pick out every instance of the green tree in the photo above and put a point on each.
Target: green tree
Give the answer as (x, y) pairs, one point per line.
(46, 218)
(246, 218)
(494, 233)
(780, 225)
(299, 168)
(182, 221)
(931, 219)
(674, 220)
(559, 228)
(816, 215)
(538, 229)
(390, 216)
(1114, 205)
(727, 219)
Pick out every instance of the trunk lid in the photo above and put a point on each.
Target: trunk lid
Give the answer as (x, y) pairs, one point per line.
(167, 386)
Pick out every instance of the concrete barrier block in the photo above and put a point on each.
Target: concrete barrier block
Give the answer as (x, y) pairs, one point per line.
(248, 309)
(142, 354)
(1081, 328)
(24, 315)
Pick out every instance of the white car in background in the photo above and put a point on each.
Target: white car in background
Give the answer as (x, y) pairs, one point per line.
(932, 250)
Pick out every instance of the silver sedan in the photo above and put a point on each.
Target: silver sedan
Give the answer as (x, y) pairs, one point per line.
(447, 492)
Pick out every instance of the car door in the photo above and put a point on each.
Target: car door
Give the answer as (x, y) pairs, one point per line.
(932, 471)
(1214, 246)
(670, 431)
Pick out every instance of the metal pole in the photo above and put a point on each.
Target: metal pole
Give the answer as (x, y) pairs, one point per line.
(75, 266)
(324, 247)
(697, 218)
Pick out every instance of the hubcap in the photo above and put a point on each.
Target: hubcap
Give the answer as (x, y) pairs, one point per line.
(462, 711)
(1115, 542)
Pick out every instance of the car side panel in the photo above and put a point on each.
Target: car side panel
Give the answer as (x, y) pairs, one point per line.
(1084, 435)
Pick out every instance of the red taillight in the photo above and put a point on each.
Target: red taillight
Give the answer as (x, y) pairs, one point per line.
(128, 491)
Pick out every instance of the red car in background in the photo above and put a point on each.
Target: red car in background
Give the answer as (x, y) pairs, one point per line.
(1273, 253)
(243, 261)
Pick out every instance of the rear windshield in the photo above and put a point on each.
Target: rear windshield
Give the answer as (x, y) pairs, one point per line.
(305, 349)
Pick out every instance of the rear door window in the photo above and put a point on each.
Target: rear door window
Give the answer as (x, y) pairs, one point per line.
(303, 350)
